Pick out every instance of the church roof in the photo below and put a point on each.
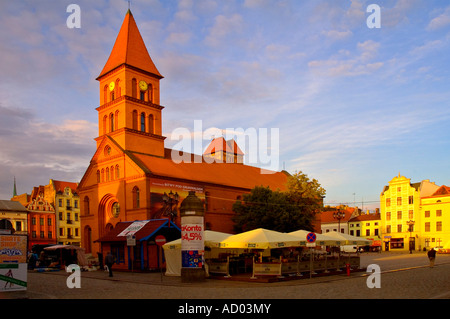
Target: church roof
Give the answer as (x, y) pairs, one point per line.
(130, 49)
(225, 174)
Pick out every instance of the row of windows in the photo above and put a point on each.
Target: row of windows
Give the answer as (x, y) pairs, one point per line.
(108, 174)
(400, 200)
(400, 215)
(368, 232)
(411, 214)
(400, 227)
(68, 203)
(42, 234)
(41, 221)
(68, 216)
(110, 95)
(146, 122)
(69, 232)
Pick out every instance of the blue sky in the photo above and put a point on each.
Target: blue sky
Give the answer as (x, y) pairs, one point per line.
(354, 106)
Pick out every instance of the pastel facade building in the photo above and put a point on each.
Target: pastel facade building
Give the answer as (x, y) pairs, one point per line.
(401, 213)
(435, 216)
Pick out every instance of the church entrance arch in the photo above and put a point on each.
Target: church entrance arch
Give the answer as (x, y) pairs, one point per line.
(108, 211)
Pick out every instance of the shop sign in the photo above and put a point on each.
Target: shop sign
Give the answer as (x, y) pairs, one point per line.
(133, 228)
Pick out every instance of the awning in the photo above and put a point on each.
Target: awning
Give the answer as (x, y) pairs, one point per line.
(143, 230)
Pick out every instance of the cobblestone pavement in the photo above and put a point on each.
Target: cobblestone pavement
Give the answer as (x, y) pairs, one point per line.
(403, 276)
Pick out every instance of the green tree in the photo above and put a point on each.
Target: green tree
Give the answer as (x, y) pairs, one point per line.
(286, 211)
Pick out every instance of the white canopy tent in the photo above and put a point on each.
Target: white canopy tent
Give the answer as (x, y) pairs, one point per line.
(347, 239)
(260, 238)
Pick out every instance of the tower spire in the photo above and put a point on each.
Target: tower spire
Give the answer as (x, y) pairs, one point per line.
(15, 189)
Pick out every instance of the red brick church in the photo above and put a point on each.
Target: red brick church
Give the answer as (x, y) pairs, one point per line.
(132, 177)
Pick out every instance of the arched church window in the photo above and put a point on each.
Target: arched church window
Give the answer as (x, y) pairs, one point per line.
(116, 119)
(111, 122)
(105, 94)
(86, 203)
(135, 119)
(118, 89)
(142, 122)
(134, 88)
(151, 128)
(150, 93)
(105, 121)
(136, 197)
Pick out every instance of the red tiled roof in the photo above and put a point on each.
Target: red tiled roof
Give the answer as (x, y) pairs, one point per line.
(150, 228)
(365, 217)
(443, 190)
(327, 216)
(219, 144)
(61, 185)
(227, 174)
(130, 49)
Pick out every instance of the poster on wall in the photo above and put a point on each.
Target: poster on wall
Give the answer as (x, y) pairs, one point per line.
(13, 249)
(13, 277)
(159, 187)
(13, 266)
(192, 243)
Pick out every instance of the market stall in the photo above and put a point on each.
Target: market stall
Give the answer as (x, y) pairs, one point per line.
(263, 251)
(68, 254)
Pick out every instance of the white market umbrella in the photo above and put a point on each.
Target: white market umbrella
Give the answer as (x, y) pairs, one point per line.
(347, 239)
(260, 239)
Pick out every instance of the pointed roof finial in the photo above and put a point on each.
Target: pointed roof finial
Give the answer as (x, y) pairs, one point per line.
(15, 189)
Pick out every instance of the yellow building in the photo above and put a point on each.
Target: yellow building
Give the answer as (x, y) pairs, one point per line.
(367, 226)
(66, 201)
(435, 215)
(401, 216)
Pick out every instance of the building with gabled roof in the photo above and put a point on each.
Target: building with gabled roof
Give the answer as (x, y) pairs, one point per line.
(403, 219)
(132, 176)
(222, 151)
(329, 223)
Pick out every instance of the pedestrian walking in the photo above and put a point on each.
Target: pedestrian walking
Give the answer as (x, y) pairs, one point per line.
(109, 261)
(432, 256)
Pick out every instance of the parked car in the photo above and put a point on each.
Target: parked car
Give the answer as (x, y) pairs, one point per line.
(349, 248)
(441, 250)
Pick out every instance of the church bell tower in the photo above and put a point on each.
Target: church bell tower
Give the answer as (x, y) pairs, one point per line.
(130, 110)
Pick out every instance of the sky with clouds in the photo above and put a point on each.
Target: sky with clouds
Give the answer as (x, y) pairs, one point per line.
(354, 106)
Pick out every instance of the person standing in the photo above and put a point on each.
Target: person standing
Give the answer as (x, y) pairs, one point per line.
(432, 256)
(109, 261)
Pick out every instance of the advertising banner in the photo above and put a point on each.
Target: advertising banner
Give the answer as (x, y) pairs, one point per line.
(133, 228)
(192, 242)
(13, 249)
(13, 277)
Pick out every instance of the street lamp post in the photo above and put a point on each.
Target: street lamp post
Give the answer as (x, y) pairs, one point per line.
(410, 224)
(339, 215)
